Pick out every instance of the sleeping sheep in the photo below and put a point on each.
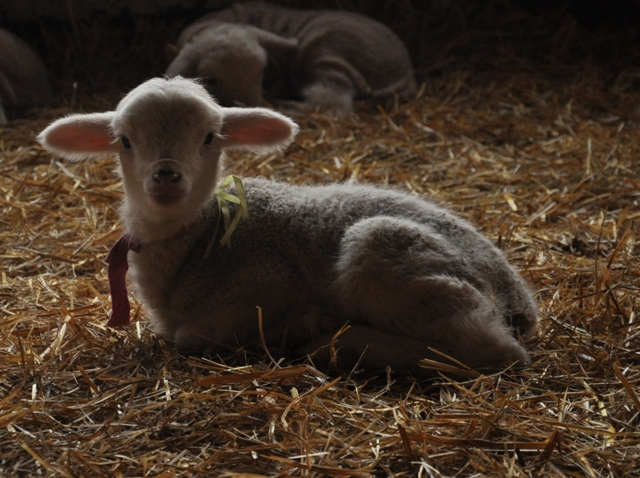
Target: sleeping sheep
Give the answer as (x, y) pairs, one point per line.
(404, 274)
(24, 81)
(326, 58)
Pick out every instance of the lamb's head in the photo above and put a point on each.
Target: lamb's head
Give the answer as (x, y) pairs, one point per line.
(231, 60)
(169, 135)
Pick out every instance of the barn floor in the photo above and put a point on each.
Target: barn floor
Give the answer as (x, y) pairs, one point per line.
(530, 130)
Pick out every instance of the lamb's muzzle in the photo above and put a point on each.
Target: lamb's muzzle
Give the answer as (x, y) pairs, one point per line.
(406, 275)
(166, 178)
(166, 186)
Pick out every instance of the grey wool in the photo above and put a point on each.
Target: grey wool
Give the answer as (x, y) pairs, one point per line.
(24, 80)
(324, 57)
(402, 273)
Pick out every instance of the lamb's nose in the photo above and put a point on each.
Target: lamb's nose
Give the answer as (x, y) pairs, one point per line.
(165, 177)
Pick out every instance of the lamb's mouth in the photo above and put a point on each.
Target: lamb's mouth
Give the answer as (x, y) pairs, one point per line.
(166, 199)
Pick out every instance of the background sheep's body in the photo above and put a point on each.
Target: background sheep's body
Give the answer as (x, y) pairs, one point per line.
(404, 273)
(24, 81)
(332, 57)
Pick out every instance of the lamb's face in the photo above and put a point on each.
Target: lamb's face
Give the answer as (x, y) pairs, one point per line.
(169, 135)
(169, 152)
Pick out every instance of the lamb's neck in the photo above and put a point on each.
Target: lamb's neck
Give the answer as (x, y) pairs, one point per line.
(145, 229)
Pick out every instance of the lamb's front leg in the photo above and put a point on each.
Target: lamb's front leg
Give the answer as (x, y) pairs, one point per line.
(404, 279)
(224, 327)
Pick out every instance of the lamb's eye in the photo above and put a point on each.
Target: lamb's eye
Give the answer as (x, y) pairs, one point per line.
(211, 81)
(125, 142)
(208, 138)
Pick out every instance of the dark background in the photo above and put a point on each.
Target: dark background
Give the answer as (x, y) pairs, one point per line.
(109, 46)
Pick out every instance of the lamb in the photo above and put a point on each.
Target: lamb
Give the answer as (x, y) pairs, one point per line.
(405, 275)
(24, 81)
(326, 58)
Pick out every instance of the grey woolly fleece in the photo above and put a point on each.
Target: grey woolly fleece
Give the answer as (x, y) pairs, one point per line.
(401, 271)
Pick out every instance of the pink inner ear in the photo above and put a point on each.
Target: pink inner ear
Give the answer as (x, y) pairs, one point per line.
(255, 130)
(84, 134)
(100, 143)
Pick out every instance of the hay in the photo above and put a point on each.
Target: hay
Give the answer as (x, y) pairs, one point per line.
(541, 154)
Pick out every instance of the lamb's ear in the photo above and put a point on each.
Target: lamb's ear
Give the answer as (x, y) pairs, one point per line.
(257, 129)
(274, 43)
(80, 136)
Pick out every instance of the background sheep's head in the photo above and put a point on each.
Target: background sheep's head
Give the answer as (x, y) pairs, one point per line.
(231, 60)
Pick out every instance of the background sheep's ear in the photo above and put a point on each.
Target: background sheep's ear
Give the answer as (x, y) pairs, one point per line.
(274, 43)
(171, 51)
(80, 136)
(257, 129)
(182, 64)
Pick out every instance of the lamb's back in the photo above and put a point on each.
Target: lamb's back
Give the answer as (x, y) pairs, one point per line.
(292, 238)
(307, 221)
(303, 227)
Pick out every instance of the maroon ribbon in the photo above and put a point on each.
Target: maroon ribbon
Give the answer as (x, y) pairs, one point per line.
(117, 271)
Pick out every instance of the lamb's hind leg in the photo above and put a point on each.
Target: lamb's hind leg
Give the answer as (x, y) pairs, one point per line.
(403, 278)
(363, 347)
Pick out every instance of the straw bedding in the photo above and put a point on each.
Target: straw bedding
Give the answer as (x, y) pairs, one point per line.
(527, 126)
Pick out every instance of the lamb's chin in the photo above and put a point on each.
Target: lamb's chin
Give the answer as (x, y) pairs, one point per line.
(167, 200)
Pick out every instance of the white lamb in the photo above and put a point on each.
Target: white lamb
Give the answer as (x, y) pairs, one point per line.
(403, 273)
(324, 57)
